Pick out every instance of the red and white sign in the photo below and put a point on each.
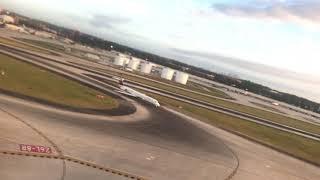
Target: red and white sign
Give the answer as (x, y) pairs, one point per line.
(35, 148)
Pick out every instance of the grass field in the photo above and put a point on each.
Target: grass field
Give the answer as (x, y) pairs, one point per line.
(267, 107)
(32, 81)
(208, 90)
(293, 144)
(282, 119)
(43, 44)
(24, 46)
(173, 87)
(190, 86)
(56, 47)
(212, 92)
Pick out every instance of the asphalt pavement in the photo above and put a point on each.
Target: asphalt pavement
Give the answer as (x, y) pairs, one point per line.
(161, 146)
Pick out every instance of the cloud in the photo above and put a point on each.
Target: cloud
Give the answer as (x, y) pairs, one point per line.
(284, 10)
(104, 21)
(214, 57)
(244, 65)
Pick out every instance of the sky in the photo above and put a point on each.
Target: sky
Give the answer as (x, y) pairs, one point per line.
(283, 34)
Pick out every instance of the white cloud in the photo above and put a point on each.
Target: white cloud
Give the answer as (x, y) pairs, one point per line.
(296, 11)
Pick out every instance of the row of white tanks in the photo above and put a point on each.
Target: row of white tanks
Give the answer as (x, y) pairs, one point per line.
(180, 77)
(120, 60)
(146, 68)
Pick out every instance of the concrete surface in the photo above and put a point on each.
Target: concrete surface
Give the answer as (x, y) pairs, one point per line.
(161, 147)
(259, 162)
(29, 168)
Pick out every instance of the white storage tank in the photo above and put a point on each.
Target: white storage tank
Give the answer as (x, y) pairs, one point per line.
(126, 61)
(133, 64)
(119, 61)
(181, 77)
(167, 73)
(146, 67)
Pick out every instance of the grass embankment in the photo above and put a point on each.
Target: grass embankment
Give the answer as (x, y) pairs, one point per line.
(171, 86)
(44, 44)
(32, 81)
(208, 90)
(278, 118)
(173, 89)
(293, 144)
(189, 86)
(58, 48)
(24, 46)
(267, 107)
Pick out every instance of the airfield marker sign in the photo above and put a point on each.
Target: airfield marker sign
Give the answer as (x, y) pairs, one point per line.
(35, 148)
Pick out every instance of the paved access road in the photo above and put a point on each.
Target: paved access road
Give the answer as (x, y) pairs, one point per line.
(158, 145)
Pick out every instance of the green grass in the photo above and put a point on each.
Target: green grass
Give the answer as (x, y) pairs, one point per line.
(267, 107)
(208, 90)
(43, 44)
(190, 86)
(56, 47)
(23, 46)
(32, 81)
(173, 88)
(216, 93)
(293, 144)
(278, 118)
(282, 119)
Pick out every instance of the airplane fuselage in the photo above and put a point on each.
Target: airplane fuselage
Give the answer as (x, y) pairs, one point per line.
(134, 93)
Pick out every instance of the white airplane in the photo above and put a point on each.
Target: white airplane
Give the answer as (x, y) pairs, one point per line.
(133, 93)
